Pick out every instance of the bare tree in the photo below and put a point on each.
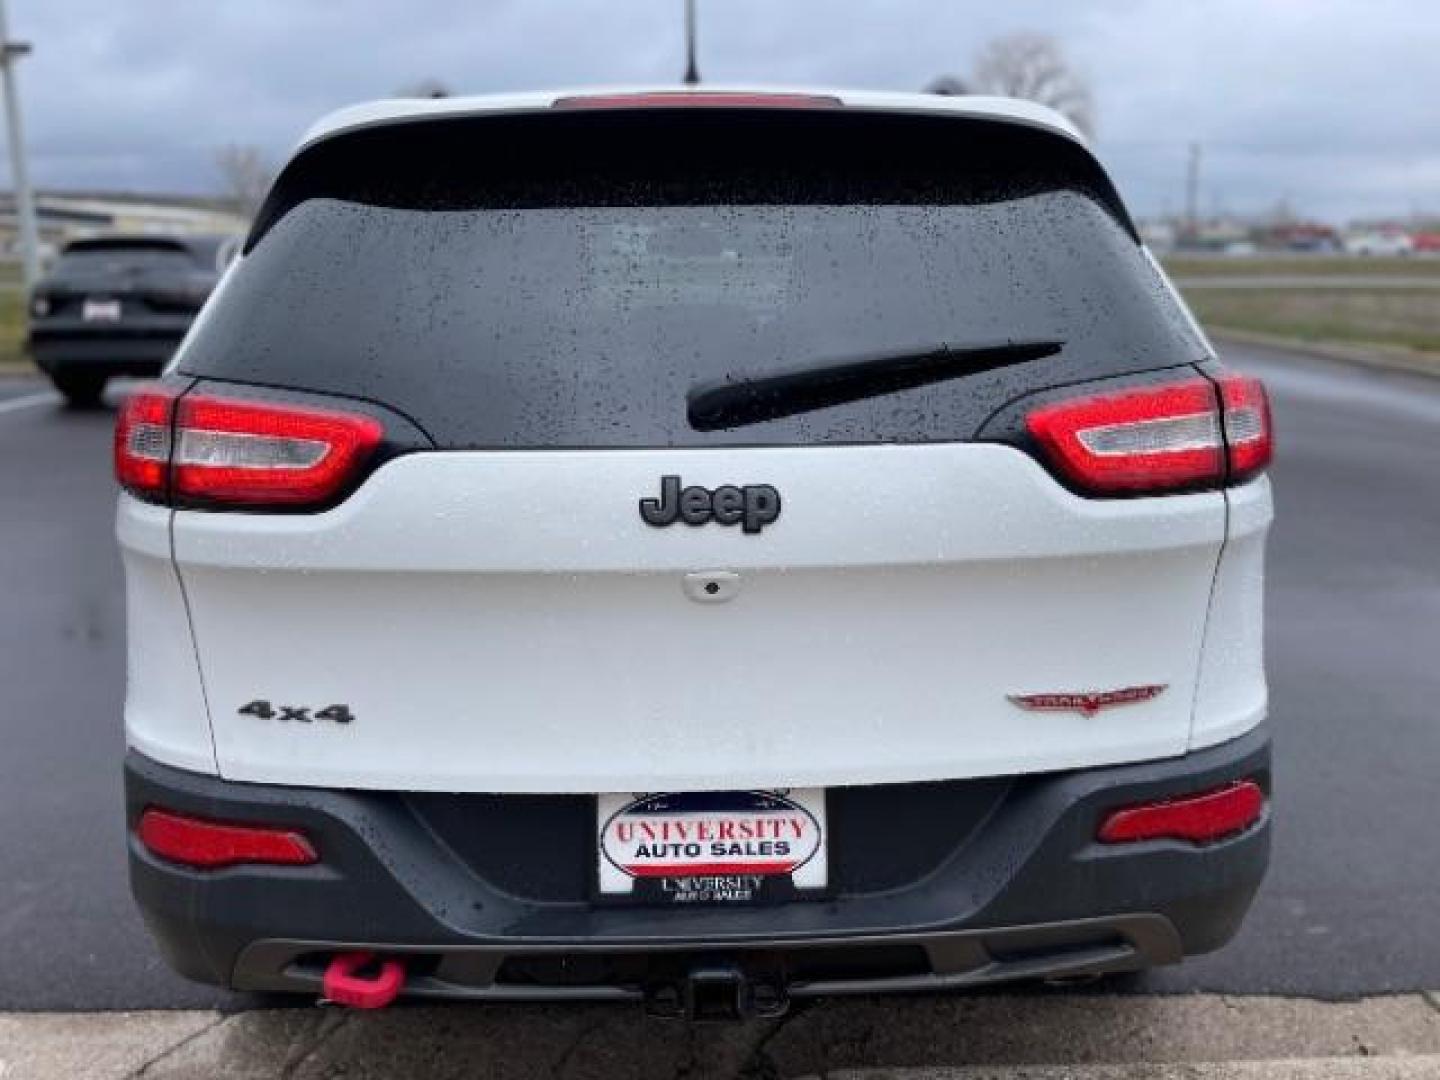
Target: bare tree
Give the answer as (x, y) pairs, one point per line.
(246, 173)
(948, 86)
(425, 88)
(1033, 66)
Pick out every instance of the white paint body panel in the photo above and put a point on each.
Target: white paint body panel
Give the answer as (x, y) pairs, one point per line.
(506, 622)
(165, 712)
(1232, 696)
(407, 110)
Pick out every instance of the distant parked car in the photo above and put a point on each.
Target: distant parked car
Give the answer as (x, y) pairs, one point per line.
(1379, 243)
(1313, 244)
(119, 305)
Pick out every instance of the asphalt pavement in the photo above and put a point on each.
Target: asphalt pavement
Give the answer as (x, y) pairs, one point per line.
(1309, 282)
(1353, 644)
(951, 1037)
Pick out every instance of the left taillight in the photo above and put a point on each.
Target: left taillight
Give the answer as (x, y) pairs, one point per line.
(220, 452)
(142, 443)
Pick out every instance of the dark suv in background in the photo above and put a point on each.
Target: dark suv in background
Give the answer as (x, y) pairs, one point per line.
(119, 305)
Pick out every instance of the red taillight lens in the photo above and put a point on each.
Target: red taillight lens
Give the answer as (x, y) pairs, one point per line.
(1248, 431)
(245, 452)
(209, 845)
(142, 443)
(684, 99)
(1200, 819)
(1149, 439)
(210, 450)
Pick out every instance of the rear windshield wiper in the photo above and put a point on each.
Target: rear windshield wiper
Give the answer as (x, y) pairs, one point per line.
(735, 403)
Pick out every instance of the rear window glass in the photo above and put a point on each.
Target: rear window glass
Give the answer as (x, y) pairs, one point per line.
(120, 258)
(594, 325)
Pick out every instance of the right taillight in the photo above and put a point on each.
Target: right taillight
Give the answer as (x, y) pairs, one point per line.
(1157, 439)
(221, 452)
(1248, 432)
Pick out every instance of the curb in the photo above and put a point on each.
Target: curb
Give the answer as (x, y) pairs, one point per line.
(1036, 1036)
(1392, 1068)
(1374, 357)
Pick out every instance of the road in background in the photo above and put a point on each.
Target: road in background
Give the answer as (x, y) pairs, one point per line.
(1354, 624)
(1305, 281)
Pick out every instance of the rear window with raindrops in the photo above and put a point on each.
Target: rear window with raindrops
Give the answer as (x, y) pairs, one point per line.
(575, 292)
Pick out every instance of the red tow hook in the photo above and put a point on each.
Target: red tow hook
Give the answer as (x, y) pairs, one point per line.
(344, 987)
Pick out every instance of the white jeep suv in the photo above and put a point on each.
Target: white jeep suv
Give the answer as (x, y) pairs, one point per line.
(696, 547)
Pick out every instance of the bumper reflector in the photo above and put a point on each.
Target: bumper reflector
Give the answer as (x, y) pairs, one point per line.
(209, 845)
(1203, 818)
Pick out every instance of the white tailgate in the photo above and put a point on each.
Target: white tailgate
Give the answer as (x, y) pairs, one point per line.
(506, 622)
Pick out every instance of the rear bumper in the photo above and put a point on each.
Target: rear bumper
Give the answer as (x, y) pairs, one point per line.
(1025, 892)
(137, 350)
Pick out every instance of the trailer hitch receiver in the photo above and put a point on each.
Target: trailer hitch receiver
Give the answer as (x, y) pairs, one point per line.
(718, 992)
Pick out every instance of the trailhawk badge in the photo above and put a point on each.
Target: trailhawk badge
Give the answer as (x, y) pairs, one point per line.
(1090, 703)
(712, 847)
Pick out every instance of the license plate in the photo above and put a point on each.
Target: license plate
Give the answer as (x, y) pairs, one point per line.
(717, 847)
(100, 311)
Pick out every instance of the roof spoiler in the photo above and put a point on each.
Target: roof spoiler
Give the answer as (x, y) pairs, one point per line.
(443, 155)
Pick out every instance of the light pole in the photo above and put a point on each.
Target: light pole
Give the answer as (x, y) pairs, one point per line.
(1192, 191)
(10, 52)
(692, 74)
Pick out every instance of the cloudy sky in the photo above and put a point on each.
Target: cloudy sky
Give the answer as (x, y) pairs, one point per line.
(1333, 105)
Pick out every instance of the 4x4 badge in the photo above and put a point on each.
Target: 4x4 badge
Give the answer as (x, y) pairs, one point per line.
(752, 507)
(1090, 703)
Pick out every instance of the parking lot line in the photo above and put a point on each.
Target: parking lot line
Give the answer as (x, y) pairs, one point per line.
(28, 401)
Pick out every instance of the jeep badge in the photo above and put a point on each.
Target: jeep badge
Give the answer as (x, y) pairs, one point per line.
(752, 507)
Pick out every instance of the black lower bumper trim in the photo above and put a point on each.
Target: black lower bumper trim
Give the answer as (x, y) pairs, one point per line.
(1028, 892)
(1080, 948)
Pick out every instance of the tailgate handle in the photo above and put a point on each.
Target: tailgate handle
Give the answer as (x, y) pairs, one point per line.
(712, 586)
